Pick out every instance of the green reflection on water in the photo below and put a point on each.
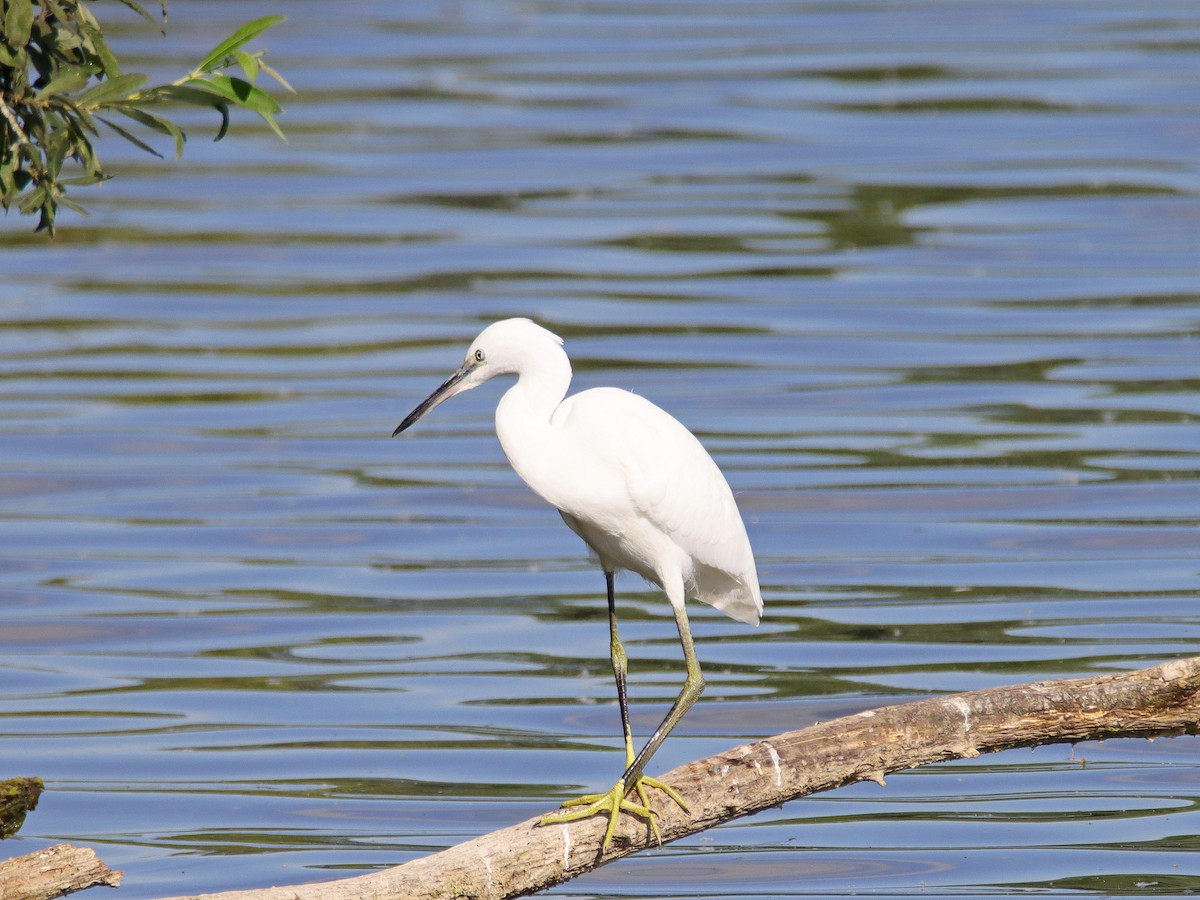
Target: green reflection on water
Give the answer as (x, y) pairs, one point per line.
(871, 214)
(1150, 884)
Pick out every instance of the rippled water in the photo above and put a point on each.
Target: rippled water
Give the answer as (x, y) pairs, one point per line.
(924, 277)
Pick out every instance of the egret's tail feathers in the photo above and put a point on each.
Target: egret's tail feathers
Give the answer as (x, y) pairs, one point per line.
(733, 595)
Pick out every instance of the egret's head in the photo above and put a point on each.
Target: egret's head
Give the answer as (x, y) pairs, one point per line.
(503, 348)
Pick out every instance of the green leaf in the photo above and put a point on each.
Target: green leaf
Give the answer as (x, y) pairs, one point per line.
(282, 81)
(184, 93)
(243, 93)
(157, 123)
(196, 97)
(76, 118)
(18, 22)
(58, 148)
(68, 80)
(10, 180)
(247, 32)
(129, 136)
(246, 96)
(93, 40)
(141, 11)
(85, 15)
(71, 204)
(27, 203)
(65, 43)
(46, 221)
(248, 63)
(113, 89)
(85, 153)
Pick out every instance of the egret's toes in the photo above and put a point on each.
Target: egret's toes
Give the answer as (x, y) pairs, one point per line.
(612, 804)
(646, 781)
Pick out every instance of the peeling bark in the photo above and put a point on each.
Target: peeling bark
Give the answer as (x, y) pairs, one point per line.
(52, 872)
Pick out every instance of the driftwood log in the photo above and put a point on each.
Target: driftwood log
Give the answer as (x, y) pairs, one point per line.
(522, 859)
(52, 872)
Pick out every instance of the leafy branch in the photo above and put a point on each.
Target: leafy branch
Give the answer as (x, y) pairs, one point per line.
(59, 82)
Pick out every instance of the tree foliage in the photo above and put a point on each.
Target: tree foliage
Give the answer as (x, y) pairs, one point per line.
(60, 82)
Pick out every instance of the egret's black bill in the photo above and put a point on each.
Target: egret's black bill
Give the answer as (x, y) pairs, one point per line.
(446, 390)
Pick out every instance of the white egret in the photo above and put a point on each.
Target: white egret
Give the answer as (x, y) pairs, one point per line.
(640, 490)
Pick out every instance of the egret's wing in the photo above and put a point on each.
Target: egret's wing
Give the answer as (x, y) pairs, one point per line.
(673, 482)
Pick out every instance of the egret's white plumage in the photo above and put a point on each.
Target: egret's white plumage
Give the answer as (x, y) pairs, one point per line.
(663, 505)
(630, 480)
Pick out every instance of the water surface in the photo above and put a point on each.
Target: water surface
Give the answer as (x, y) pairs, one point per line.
(922, 276)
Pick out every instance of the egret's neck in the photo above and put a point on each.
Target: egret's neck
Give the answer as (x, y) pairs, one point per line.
(542, 384)
(523, 415)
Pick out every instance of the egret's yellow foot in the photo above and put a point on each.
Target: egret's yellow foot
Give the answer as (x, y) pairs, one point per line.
(613, 803)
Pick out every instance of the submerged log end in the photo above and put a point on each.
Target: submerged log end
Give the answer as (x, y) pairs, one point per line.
(17, 797)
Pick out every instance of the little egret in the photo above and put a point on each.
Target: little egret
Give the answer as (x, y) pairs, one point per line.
(643, 494)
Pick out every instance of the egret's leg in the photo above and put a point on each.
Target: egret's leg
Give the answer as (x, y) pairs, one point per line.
(616, 799)
(620, 668)
(693, 686)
